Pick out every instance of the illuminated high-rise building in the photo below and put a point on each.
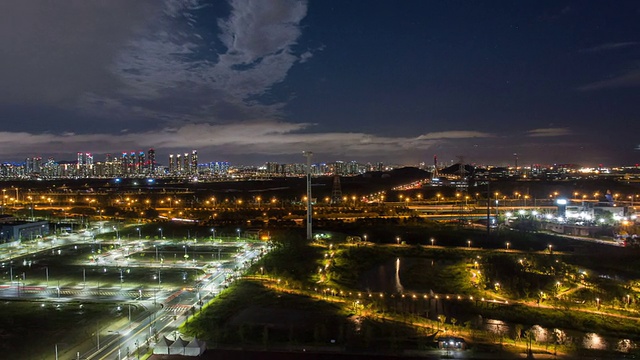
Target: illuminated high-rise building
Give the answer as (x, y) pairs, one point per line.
(151, 161)
(194, 162)
(140, 166)
(108, 169)
(87, 167)
(116, 166)
(132, 163)
(186, 164)
(172, 164)
(125, 163)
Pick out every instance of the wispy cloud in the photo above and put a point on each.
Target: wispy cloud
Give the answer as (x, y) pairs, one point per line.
(548, 132)
(264, 137)
(611, 46)
(454, 135)
(626, 80)
(171, 72)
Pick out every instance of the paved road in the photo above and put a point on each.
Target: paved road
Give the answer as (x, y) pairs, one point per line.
(156, 313)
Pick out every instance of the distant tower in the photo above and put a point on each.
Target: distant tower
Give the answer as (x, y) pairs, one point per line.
(336, 193)
(152, 161)
(308, 155)
(515, 156)
(462, 172)
(132, 162)
(125, 161)
(194, 162)
(140, 165)
(434, 173)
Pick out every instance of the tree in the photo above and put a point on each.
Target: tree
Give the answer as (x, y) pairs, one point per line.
(518, 332)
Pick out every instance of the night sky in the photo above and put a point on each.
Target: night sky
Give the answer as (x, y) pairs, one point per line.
(263, 80)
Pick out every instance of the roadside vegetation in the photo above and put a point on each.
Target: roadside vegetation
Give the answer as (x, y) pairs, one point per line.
(451, 285)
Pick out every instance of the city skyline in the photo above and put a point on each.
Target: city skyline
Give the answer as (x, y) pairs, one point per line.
(251, 82)
(148, 158)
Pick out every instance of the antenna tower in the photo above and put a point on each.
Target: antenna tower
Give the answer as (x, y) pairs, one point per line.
(462, 172)
(308, 155)
(434, 173)
(336, 192)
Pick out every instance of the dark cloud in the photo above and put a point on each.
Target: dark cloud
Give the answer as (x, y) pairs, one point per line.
(54, 51)
(223, 77)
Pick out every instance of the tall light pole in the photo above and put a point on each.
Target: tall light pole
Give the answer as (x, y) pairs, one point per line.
(139, 233)
(308, 155)
(161, 235)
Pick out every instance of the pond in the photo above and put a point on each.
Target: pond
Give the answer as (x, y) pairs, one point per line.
(416, 275)
(421, 279)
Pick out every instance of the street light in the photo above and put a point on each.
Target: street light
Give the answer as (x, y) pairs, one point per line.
(398, 240)
(508, 243)
(161, 234)
(469, 243)
(238, 232)
(213, 233)
(139, 233)
(432, 241)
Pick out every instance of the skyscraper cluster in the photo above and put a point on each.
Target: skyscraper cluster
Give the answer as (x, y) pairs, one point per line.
(183, 165)
(129, 164)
